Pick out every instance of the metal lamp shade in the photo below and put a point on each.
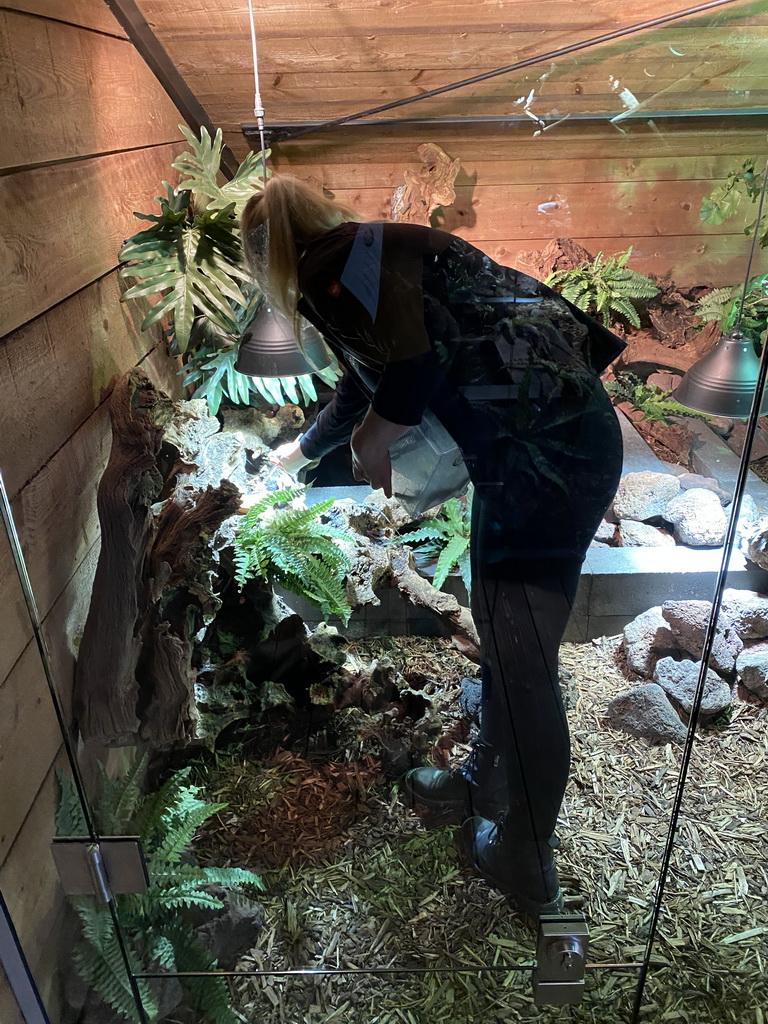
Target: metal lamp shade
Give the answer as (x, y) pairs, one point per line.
(269, 348)
(722, 383)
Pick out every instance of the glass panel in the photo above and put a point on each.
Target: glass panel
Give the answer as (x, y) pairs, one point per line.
(263, 772)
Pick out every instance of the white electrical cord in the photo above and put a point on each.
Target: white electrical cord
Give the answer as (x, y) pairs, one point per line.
(258, 107)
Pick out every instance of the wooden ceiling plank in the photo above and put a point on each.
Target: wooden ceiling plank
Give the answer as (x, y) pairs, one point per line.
(91, 14)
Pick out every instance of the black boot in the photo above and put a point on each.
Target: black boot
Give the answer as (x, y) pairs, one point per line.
(448, 796)
(523, 870)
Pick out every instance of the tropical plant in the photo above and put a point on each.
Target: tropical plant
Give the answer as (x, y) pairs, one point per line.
(292, 547)
(654, 403)
(447, 538)
(605, 285)
(155, 938)
(192, 257)
(724, 305)
(727, 199)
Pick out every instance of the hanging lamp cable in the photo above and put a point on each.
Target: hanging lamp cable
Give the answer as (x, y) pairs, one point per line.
(258, 106)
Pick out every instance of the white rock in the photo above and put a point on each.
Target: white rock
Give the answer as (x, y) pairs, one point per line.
(747, 611)
(698, 518)
(605, 532)
(644, 495)
(752, 667)
(642, 535)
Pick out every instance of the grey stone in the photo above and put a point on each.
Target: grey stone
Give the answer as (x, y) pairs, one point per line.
(664, 380)
(644, 495)
(752, 667)
(641, 535)
(688, 621)
(646, 639)
(231, 930)
(470, 699)
(646, 712)
(606, 532)
(747, 612)
(698, 518)
(679, 680)
(708, 483)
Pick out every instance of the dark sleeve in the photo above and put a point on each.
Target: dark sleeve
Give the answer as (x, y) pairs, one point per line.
(334, 424)
(406, 388)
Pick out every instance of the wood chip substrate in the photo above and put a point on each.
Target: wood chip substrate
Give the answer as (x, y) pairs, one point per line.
(355, 883)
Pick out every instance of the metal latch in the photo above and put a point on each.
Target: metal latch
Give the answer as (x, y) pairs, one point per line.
(105, 869)
(561, 956)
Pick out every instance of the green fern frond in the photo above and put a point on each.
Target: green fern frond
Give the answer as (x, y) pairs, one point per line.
(604, 284)
(449, 556)
(70, 820)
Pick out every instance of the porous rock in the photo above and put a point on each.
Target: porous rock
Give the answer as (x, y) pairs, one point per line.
(642, 535)
(698, 518)
(646, 711)
(752, 667)
(688, 621)
(679, 680)
(644, 495)
(747, 612)
(605, 533)
(749, 515)
(646, 639)
(470, 699)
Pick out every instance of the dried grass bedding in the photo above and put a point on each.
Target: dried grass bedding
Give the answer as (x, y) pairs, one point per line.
(354, 882)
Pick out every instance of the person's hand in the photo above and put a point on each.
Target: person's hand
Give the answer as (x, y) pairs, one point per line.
(370, 450)
(290, 457)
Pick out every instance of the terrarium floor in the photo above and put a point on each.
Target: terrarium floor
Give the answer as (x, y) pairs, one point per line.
(353, 881)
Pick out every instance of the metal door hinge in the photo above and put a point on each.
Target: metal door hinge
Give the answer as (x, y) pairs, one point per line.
(105, 869)
(561, 956)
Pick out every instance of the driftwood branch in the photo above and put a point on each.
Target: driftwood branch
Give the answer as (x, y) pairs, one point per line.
(106, 689)
(427, 189)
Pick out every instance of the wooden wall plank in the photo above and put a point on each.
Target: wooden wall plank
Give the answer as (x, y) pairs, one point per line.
(26, 708)
(93, 14)
(34, 896)
(56, 518)
(89, 208)
(67, 93)
(10, 1012)
(64, 362)
(586, 210)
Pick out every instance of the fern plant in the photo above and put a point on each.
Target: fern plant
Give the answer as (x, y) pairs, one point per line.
(192, 257)
(724, 304)
(446, 537)
(292, 547)
(654, 403)
(156, 939)
(727, 199)
(605, 285)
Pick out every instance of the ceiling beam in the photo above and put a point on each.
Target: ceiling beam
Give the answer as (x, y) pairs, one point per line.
(154, 53)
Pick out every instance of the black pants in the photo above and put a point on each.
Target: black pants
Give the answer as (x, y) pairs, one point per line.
(530, 533)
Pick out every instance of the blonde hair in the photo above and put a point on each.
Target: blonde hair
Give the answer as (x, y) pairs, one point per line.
(295, 213)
